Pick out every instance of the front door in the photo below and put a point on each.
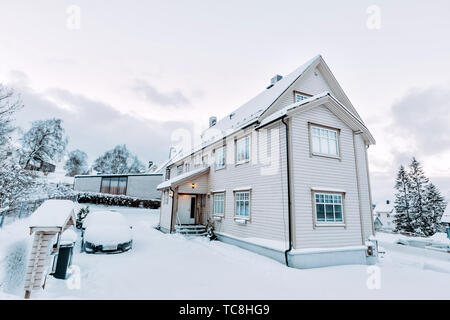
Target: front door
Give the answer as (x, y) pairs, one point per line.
(186, 209)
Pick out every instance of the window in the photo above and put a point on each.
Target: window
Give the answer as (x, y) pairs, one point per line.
(299, 96)
(205, 161)
(324, 141)
(243, 150)
(167, 173)
(242, 202)
(166, 197)
(187, 166)
(114, 185)
(197, 161)
(219, 204)
(179, 169)
(328, 207)
(220, 158)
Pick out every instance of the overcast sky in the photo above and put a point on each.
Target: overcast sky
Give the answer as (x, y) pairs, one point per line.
(135, 70)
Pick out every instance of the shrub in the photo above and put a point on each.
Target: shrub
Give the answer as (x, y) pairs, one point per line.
(116, 200)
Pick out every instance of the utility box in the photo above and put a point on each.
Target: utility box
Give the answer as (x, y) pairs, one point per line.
(64, 260)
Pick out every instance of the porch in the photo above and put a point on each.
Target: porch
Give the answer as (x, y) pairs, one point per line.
(184, 205)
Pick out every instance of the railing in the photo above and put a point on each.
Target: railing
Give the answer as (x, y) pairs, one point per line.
(23, 209)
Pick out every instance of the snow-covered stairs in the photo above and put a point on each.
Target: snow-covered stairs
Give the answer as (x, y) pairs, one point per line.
(191, 229)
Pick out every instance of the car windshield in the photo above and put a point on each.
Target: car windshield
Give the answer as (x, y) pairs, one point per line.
(104, 218)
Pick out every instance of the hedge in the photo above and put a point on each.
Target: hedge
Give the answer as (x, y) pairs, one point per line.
(116, 200)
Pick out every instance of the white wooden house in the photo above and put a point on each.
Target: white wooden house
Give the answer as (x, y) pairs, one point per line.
(285, 175)
(385, 212)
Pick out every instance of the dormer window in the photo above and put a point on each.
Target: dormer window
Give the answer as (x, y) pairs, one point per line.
(299, 96)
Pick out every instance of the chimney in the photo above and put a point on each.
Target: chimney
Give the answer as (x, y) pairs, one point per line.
(274, 80)
(387, 201)
(212, 121)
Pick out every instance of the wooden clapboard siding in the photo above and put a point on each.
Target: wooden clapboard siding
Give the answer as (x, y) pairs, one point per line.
(268, 209)
(328, 173)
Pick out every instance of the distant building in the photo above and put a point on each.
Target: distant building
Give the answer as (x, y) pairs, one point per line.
(138, 185)
(37, 164)
(384, 216)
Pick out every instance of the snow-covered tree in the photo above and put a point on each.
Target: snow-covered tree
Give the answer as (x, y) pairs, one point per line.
(76, 163)
(403, 219)
(45, 141)
(419, 204)
(434, 207)
(118, 160)
(9, 104)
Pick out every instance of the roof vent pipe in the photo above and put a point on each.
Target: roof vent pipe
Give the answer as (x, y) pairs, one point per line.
(274, 80)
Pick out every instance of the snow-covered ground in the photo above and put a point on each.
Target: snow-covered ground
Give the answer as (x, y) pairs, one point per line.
(162, 266)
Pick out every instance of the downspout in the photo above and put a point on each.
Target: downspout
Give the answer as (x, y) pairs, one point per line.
(171, 211)
(288, 168)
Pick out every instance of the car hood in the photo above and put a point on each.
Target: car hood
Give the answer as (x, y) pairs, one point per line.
(107, 235)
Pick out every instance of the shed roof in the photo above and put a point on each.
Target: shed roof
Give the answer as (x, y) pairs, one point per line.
(53, 213)
(182, 177)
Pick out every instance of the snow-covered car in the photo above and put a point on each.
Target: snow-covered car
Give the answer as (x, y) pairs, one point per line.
(106, 231)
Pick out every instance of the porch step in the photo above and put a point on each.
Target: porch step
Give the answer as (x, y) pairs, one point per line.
(197, 230)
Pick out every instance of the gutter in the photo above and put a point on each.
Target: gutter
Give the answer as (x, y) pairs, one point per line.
(288, 168)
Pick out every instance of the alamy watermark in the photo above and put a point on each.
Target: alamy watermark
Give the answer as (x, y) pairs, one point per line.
(373, 21)
(73, 21)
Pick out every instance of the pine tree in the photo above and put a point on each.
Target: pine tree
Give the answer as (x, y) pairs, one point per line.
(417, 196)
(403, 219)
(434, 207)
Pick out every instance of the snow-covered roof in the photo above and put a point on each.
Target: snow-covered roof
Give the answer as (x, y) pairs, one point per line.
(248, 113)
(182, 177)
(446, 216)
(254, 108)
(53, 213)
(384, 207)
(333, 103)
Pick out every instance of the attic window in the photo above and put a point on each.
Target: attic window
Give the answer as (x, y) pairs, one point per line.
(299, 96)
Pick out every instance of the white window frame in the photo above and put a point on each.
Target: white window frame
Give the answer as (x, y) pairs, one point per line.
(328, 196)
(219, 194)
(321, 138)
(217, 154)
(246, 142)
(239, 196)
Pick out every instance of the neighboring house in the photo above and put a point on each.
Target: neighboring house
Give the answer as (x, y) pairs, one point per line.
(37, 164)
(385, 212)
(445, 220)
(285, 175)
(138, 185)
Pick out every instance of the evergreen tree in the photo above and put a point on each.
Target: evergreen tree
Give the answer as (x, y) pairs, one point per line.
(417, 196)
(403, 219)
(434, 208)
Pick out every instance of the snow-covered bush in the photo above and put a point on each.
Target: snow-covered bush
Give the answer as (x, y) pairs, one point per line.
(116, 200)
(15, 243)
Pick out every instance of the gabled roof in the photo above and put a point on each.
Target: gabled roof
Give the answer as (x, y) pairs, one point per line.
(327, 99)
(256, 110)
(384, 207)
(253, 109)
